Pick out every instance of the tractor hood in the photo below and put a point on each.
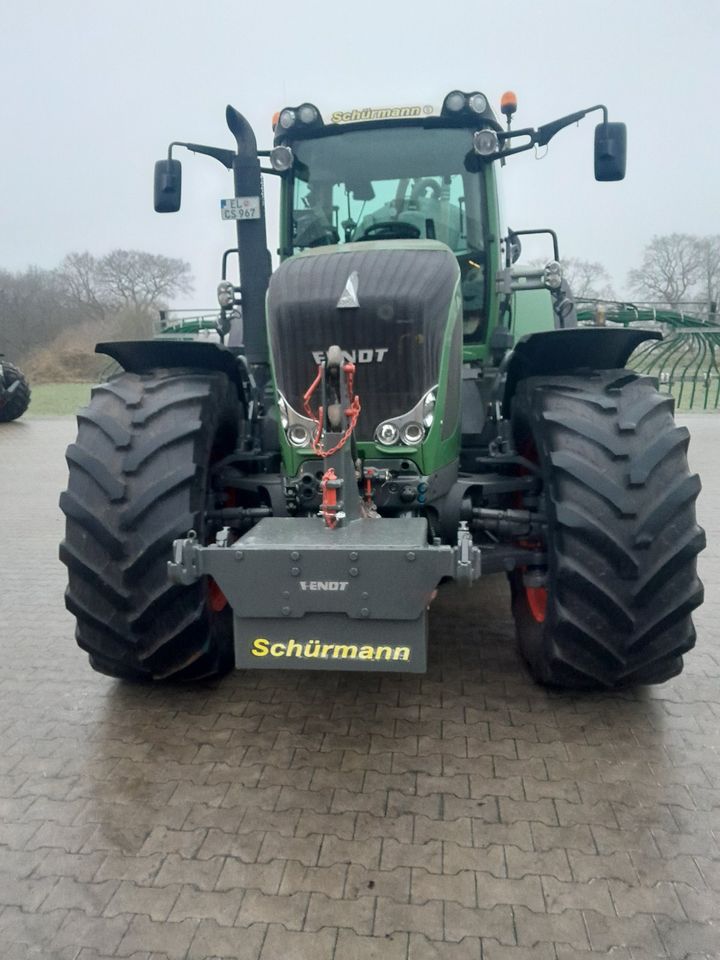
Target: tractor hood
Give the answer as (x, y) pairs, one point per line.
(386, 304)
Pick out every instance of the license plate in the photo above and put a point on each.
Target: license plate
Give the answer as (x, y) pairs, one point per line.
(240, 208)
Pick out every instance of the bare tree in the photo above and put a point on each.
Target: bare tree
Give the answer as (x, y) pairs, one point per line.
(708, 249)
(84, 299)
(141, 281)
(588, 279)
(79, 277)
(33, 310)
(670, 269)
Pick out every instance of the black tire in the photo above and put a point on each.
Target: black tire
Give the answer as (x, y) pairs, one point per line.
(18, 401)
(139, 477)
(622, 539)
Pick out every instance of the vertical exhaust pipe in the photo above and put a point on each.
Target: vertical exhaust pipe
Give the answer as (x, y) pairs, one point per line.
(255, 264)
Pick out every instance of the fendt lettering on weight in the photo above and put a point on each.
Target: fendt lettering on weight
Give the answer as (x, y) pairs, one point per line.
(332, 585)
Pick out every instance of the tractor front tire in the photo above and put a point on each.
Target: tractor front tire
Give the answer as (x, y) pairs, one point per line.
(19, 400)
(612, 608)
(140, 477)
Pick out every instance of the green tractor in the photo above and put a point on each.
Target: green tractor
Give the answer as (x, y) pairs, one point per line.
(395, 406)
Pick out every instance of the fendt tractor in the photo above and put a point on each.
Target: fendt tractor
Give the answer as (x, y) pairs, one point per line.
(395, 406)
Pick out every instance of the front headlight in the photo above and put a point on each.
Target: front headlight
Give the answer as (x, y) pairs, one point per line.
(455, 101)
(299, 435)
(281, 158)
(485, 142)
(287, 118)
(478, 103)
(307, 113)
(387, 434)
(552, 276)
(412, 433)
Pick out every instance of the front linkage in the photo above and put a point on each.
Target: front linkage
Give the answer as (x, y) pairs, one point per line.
(322, 591)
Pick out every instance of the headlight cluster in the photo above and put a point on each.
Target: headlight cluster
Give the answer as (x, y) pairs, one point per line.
(457, 102)
(299, 430)
(552, 275)
(305, 115)
(226, 293)
(410, 429)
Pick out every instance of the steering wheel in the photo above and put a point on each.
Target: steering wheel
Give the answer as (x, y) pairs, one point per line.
(418, 190)
(391, 230)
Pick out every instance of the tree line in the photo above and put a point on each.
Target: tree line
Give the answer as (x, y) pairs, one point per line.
(677, 270)
(64, 311)
(50, 320)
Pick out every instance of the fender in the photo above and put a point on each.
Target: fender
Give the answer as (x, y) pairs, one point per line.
(137, 356)
(565, 351)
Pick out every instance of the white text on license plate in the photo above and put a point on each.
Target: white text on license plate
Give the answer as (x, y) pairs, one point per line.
(240, 208)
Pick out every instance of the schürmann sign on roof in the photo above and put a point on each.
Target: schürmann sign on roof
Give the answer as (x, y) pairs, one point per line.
(380, 113)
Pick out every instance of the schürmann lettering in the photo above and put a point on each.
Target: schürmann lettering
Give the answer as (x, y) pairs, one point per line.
(375, 113)
(314, 649)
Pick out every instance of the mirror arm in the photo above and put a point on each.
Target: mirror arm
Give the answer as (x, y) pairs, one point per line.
(543, 135)
(548, 130)
(225, 157)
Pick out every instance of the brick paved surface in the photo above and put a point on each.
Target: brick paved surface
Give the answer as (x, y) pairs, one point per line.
(461, 815)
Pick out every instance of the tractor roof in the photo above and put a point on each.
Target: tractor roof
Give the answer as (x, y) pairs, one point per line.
(458, 109)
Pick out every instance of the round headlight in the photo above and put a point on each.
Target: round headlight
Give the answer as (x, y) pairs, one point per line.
(478, 103)
(287, 118)
(412, 433)
(281, 158)
(226, 294)
(455, 101)
(552, 276)
(299, 435)
(485, 142)
(307, 113)
(387, 434)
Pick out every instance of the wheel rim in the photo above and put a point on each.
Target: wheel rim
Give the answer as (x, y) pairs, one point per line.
(537, 598)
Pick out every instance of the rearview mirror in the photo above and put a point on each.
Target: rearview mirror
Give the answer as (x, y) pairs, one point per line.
(168, 186)
(610, 151)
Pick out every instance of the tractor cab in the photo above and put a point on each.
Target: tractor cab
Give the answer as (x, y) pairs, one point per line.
(393, 178)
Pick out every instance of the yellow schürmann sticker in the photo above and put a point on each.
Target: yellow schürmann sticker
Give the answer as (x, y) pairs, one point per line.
(314, 649)
(379, 113)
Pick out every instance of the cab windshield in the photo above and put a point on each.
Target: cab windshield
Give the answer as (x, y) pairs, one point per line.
(395, 183)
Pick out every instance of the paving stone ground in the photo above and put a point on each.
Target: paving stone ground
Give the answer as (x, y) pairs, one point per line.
(462, 815)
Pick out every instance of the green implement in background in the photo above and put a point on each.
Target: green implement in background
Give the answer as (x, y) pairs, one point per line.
(685, 361)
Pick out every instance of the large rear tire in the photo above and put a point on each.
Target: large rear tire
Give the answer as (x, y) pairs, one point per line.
(18, 401)
(140, 477)
(613, 606)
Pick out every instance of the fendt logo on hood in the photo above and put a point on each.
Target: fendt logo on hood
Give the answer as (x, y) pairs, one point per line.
(349, 298)
(370, 355)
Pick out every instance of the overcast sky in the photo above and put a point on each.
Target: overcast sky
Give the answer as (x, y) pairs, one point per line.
(92, 92)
